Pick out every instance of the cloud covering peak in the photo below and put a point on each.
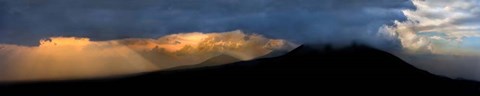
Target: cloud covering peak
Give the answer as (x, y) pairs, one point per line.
(60, 58)
(441, 36)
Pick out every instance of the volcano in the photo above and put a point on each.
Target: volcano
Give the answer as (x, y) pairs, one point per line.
(356, 69)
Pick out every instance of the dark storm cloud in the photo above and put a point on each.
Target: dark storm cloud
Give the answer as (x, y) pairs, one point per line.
(305, 21)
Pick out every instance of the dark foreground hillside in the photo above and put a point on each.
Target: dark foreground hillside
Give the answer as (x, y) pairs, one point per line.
(352, 70)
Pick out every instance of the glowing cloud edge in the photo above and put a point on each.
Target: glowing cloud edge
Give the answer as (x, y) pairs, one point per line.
(69, 58)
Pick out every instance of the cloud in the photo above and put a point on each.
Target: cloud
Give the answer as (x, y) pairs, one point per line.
(439, 26)
(60, 58)
(440, 36)
(338, 22)
(110, 24)
(93, 38)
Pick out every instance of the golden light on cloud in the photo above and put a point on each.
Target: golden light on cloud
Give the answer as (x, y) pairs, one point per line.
(65, 58)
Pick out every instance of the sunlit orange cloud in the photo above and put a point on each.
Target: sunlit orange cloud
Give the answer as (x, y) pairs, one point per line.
(65, 58)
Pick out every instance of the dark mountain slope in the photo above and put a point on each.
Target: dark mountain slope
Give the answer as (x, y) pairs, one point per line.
(352, 70)
(217, 60)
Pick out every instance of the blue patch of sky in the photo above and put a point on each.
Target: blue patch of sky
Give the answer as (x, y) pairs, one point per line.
(471, 42)
(429, 34)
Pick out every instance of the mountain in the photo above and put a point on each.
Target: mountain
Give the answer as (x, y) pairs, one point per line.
(215, 61)
(352, 70)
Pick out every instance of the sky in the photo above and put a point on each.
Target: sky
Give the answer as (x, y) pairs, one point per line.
(440, 36)
(27, 21)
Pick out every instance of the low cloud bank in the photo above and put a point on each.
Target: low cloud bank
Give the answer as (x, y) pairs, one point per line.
(60, 58)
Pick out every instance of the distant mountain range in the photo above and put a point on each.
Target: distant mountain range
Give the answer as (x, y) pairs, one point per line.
(352, 70)
(214, 61)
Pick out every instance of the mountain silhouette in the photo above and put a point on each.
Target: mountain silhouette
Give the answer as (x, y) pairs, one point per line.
(214, 61)
(307, 69)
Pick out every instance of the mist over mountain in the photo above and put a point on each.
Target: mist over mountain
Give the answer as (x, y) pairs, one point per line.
(412, 45)
(67, 58)
(356, 69)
